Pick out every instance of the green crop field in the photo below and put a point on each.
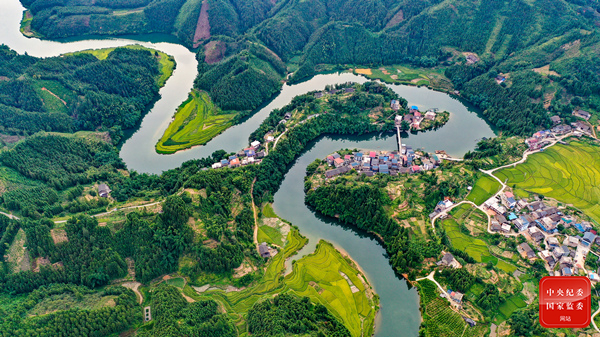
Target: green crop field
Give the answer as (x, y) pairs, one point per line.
(511, 305)
(476, 248)
(567, 173)
(316, 276)
(507, 267)
(413, 76)
(268, 211)
(270, 235)
(196, 122)
(484, 188)
(176, 282)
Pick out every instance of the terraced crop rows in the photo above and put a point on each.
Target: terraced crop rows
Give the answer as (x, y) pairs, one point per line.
(568, 173)
(484, 188)
(196, 122)
(315, 276)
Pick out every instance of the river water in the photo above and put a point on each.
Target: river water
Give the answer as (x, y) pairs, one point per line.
(399, 315)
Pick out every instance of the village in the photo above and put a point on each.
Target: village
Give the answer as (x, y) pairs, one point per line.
(248, 156)
(579, 128)
(562, 242)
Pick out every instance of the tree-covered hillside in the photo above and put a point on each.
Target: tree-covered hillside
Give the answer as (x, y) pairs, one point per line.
(76, 92)
(247, 47)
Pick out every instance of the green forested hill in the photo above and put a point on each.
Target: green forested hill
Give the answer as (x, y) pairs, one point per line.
(76, 92)
(547, 49)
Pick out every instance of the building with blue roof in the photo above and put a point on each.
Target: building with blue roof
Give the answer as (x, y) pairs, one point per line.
(580, 227)
(224, 162)
(588, 238)
(383, 168)
(414, 107)
(512, 216)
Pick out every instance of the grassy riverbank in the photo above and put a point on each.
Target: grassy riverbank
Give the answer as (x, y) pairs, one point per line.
(319, 276)
(196, 122)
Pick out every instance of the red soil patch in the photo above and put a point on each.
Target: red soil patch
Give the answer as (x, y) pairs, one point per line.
(203, 26)
(214, 51)
(398, 17)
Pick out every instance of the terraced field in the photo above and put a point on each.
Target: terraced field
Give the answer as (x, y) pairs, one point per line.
(316, 276)
(196, 122)
(319, 276)
(484, 188)
(476, 248)
(511, 305)
(567, 173)
(443, 321)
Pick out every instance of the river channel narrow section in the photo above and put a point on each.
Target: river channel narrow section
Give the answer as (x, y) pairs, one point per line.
(399, 315)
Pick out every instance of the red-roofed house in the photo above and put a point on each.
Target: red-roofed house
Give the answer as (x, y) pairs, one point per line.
(509, 194)
(234, 163)
(417, 114)
(347, 157)
(372, 154)
(330, 159)
(415, 169)
(338, 162)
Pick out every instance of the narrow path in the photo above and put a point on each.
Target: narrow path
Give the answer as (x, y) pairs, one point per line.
(277, 140)
(255, 236)
(594, 315)
(116, 210)
(430, 278)
(134, 286)
(10, 216)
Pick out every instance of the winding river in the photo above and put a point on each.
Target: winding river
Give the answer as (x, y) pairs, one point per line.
(399, 315)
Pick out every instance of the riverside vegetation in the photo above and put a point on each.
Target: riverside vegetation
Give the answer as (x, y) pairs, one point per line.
(202, 231)
(499, 286)
(546, 50)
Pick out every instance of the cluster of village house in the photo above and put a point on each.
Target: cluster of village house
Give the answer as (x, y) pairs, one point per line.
(413, 117)
(538, 223)
(543, 138)
(247, 156)
(383, 162)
